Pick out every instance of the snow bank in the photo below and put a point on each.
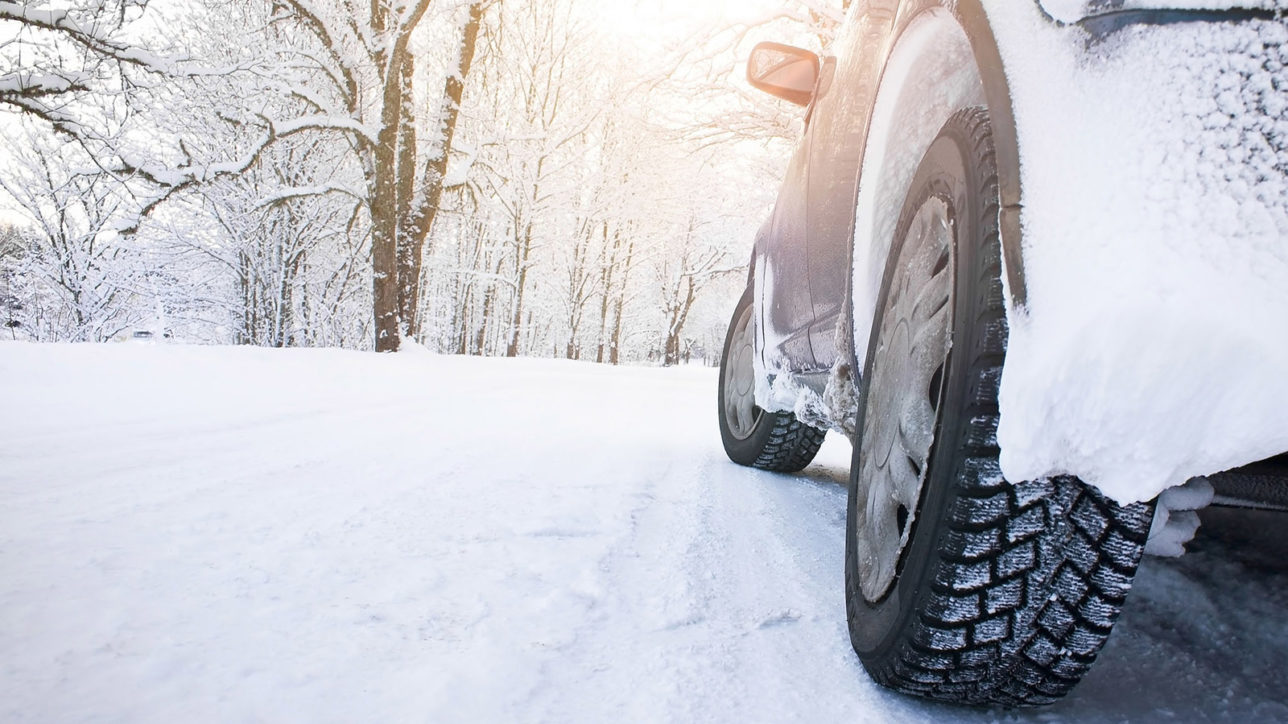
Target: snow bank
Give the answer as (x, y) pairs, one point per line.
(1155, 168)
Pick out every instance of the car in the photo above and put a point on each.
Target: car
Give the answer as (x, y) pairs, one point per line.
(1030, 258)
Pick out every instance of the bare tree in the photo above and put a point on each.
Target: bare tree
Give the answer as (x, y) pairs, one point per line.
(539, 69)
(353, 77)
(63, 56)
(689, 265)
(484, 178)
(365, 59)
(83, 275)
(12, 256)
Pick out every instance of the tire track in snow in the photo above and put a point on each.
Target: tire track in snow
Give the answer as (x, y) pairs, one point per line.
(722, 603)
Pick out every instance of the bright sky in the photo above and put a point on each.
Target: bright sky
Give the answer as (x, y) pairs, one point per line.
(629, 16)
(674, 20)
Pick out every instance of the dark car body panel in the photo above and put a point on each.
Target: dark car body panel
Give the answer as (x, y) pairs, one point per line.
(784, 258)
(814, 215)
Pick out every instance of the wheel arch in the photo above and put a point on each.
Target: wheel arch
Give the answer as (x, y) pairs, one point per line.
(972, 20)
(988, 57)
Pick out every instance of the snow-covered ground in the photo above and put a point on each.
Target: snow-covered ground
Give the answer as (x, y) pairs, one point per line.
(207, 534)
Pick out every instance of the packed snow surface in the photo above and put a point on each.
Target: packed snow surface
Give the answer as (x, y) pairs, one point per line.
(1154, 164)
(219, 534)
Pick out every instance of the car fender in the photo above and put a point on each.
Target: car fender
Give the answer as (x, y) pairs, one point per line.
(1147, 348)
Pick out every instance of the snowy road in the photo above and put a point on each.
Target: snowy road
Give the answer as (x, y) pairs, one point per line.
(206, 534)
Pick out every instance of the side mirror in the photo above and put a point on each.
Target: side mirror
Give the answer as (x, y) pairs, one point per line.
(783, 71)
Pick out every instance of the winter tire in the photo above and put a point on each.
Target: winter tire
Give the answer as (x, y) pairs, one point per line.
(767, 440)
(960, 585)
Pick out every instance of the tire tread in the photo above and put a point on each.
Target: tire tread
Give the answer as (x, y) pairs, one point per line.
(1027, 579)
(792, 445)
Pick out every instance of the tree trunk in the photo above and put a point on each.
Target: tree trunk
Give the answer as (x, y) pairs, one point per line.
(405, 188)
(679, 316)
(383, 185)
(489, 299)
(516, 317)
(384, 255)
(480, 337)
(464, 299)
(418, 219)
(614, 352)
(605, 291)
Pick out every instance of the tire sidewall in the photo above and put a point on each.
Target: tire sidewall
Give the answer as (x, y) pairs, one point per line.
(745, 451)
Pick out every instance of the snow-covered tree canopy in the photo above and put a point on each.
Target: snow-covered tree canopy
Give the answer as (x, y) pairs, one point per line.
(553, 177)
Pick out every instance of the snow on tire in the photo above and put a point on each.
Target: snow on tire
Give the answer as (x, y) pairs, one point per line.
(960, 585)
(774, 441)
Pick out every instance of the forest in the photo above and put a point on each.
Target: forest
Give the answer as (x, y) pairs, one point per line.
(560, 178)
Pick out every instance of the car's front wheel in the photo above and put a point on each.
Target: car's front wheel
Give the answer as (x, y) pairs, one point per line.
(752, 436)
(961, 585)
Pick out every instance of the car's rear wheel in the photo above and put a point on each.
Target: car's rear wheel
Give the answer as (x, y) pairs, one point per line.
(752, 436)
(960, 585)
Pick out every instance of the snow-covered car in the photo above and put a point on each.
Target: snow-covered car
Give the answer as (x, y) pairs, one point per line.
(1031, 257)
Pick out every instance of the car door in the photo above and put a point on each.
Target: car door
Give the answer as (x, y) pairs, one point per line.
(830, 220)
(847, 86)
(782, 276)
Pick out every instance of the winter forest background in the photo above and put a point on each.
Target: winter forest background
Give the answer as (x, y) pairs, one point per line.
(567, 178)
